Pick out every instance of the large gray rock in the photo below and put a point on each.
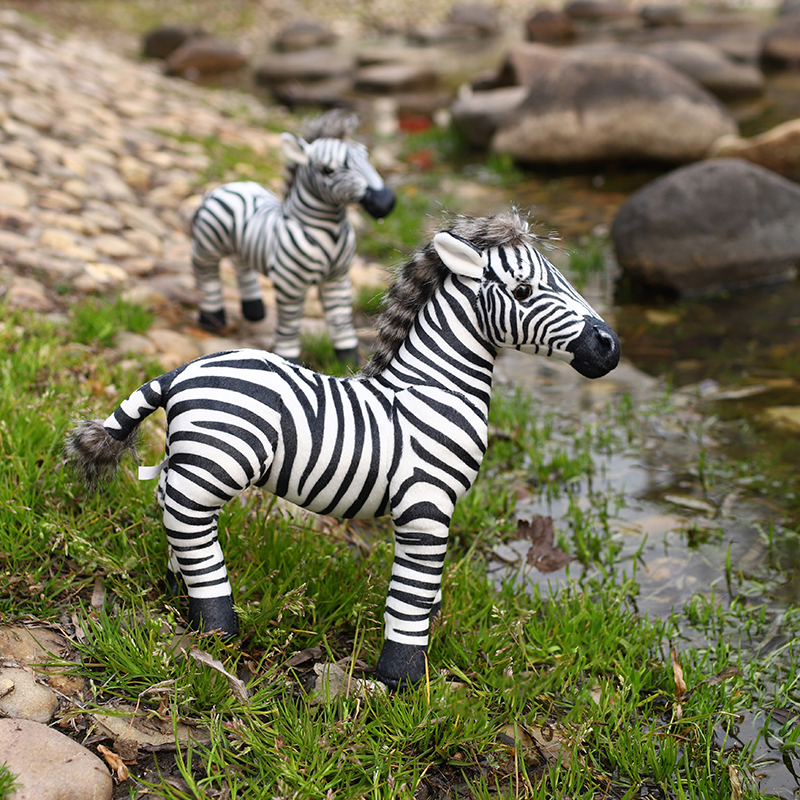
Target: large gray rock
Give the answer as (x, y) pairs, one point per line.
(49, 765)
(204, 56)
(600, 106)
(780, 47)
(319, 63)
(710, 67)
(304, 35)
(525, 63)
(161, 41)
(720, 224)
(597, 9)
(477, 115)
(393, 78)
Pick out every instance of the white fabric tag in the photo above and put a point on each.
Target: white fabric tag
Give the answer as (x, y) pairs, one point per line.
(148, 473)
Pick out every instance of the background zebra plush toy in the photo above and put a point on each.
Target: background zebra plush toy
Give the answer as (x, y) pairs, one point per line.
(405, 437)
(304, 240)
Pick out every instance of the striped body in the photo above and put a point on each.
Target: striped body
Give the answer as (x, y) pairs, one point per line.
(303, 241)
(405, 437)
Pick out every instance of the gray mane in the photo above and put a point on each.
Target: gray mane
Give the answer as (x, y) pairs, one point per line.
(418, 279)
(335, 124)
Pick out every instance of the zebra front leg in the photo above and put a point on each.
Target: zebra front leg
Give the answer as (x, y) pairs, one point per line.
(414, 598)
(336, 297)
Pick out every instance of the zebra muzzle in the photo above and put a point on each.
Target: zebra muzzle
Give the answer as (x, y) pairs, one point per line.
(378, 202)
(596, 351)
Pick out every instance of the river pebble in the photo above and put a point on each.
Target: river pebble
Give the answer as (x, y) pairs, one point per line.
(49, 765)
(23, 697)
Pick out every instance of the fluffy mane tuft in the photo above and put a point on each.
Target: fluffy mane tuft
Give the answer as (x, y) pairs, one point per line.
(334, 124)
(423, 275)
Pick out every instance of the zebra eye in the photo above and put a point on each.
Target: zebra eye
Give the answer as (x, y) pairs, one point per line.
(326, 170)
(523, 292)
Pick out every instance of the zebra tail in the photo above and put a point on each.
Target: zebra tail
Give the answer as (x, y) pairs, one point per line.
(96, 447)
(94, 453)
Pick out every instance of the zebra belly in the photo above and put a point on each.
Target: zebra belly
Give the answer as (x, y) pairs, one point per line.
(338, 464)
(248, 418)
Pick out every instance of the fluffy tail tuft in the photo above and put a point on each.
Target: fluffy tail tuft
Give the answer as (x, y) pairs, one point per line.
(94, 452)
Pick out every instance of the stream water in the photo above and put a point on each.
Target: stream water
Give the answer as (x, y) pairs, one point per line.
(712, 492)
(710, 505)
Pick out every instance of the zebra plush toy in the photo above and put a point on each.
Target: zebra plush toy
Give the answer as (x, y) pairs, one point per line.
(404, 437)
(304, 240)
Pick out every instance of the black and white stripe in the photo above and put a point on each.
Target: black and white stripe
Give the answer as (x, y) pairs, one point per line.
(405, 437)
(302, 241)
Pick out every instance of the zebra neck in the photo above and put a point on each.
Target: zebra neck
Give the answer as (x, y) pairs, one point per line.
(313, 212)
(446, 346)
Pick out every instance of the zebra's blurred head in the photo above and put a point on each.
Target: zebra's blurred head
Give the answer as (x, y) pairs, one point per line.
(338, 172)
(526, 302)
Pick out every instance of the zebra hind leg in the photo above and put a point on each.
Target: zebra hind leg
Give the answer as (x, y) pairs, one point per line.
(196, 566)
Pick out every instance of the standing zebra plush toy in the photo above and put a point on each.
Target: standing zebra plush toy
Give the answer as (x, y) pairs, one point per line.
(405, 437)
(304, 240)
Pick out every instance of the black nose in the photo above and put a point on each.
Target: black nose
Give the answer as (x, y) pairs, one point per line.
(596, 351)
(378, 202)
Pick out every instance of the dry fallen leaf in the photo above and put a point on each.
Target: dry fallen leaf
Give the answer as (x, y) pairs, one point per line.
(98, 594)
(736, 782)
(677, 671)
(536, 743)
(543, 554)
(147, 730)
(305, 657)
(680, 684)
(115, 763)
(236, 685)
(332, 680)
(720, 677)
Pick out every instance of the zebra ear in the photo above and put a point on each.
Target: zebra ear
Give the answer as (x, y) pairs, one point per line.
(294, 148)
(459, 255)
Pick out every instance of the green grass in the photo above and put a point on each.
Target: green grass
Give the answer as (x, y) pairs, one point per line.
(7, 783)
(236, 162)
(97, 321)
(586, 260)
(582, 672)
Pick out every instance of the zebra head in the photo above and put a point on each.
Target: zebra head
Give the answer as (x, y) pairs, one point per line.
(338, 172)
(526, 302)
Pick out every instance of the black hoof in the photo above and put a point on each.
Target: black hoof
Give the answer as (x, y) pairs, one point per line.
(214, 614)
(212, 320)
(401, 665)
(253, 310)
(348, 357)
